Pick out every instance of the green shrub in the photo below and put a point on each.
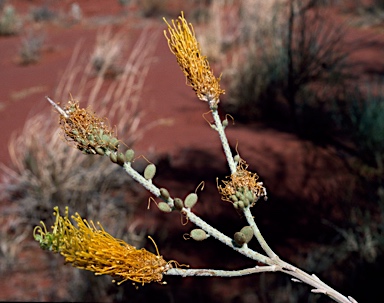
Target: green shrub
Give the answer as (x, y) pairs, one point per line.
(10, 23)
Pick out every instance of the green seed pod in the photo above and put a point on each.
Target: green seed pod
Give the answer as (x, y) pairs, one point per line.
(164, 207)
(150, 171)
(129, 154)
(248, 232)
(225, 123)
(113, 157)
(100, 151)
(120, 159)
(239, 238)
(240, 204)
(234, 198)
(198, 234)
(164, 193)
(178, 203)
(190, 200)
(236, 205)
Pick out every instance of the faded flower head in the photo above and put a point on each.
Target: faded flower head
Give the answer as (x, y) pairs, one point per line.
(183, 44)
(242, 188)
(90, 133)
(91, 248)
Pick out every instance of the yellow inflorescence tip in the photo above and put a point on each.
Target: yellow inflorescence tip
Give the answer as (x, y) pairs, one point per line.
(88, 247)
(183, 44)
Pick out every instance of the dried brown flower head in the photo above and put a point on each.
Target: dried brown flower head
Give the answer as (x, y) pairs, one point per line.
(90, 133)
(242, 188)
(184, 46)
(93, 249)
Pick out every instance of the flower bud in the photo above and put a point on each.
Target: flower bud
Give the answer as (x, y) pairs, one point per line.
(164, 207)
(239, 238)
(120, 159)
(150, 171)
(129, 154)
(99, 151)
(198, 234)
(178, 203)
(248, 232)
(113, 157)
(164, 193)
(190, 200)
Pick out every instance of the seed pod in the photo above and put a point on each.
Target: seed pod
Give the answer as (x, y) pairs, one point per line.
(225, 123)
(164, 193)
(178, 203)
(100, 151)
(113, 157)
(240, 204)
(190, 200)
(198, 234)
(150, 171)
(120, 159)
(248, 232)
(129, 154)
(236, 205)
(239, 238)
(234, 198)
(164, 207)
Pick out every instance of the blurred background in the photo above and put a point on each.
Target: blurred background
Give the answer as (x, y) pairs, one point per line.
(304, 86)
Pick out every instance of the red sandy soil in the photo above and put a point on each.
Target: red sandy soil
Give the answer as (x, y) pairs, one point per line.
(280, 158)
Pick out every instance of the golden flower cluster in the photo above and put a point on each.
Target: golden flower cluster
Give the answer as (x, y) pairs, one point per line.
(183, 44)
(93, 249)
(242, 188)
(90, 133)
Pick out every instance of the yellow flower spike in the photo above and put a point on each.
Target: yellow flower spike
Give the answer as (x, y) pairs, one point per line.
(183, 44)
(47, 240)
(242, 188)
(91, 248)
(89, 132)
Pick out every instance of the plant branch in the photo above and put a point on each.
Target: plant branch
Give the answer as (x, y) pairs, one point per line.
(223, 139)
(257, 233)
(219, 273)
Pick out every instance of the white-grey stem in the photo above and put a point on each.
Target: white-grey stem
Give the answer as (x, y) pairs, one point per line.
(219, 273)
(224, 140)
(57, 107)
(264, 245)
